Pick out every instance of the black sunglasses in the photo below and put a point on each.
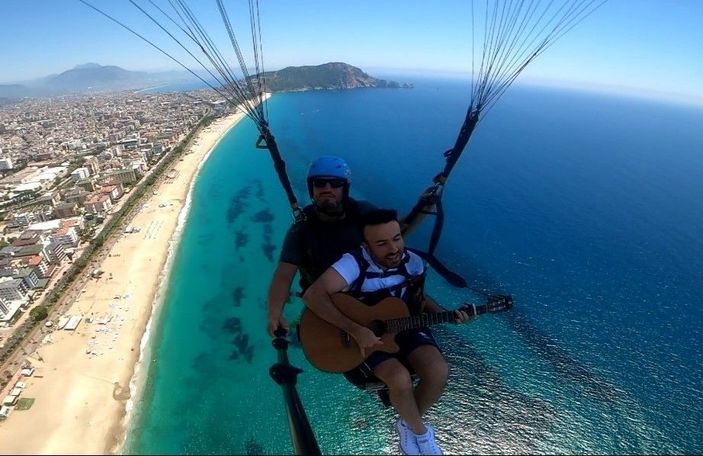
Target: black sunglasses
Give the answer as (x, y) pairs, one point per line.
(334, 183)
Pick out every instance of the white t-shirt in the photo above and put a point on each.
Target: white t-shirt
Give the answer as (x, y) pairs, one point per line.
(348, 268)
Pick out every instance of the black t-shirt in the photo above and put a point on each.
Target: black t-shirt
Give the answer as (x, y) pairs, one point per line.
(314, 245)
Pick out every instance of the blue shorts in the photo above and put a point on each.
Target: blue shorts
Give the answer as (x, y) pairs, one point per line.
(408, 341)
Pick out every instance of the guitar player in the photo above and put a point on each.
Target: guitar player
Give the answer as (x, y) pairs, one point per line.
(379, 268)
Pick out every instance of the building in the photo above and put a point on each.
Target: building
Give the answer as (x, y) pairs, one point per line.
(4, 308)
(5, 163)
(127, 144)
(28, 237)
(8, 309)
(62, 231)
(115, 192)
(12, 289)
(38, 262)
(54, 252)
(86, 184)
(25, 218)
(80, 173)
(66, 235)
(121, 176)
(64, 210)
(50, 198)
(92, 163)
(30, 277)
(98, 204)
(76, 195)
(19, 220)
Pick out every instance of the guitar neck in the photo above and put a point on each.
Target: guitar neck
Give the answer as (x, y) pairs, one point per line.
(429, 319)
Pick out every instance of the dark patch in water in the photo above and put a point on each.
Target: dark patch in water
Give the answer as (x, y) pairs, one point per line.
(232, 325)
(241, 341)
(249, 353)
(269, 249)
(542, 344)
(260, 190)
(565, 365)
(203, 363)
(267, 246)
(242, 348)
(263, 216)
(251, 446)
(237, 296)
(204, 239)
(237, 204)
(240, 239)
(494, 408)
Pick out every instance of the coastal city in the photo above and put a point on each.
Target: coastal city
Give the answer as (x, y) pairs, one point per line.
(67, 166)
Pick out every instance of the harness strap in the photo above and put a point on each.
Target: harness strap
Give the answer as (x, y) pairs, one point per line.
(440, 180)
(452, 277)
(267, 141)
(364, 274)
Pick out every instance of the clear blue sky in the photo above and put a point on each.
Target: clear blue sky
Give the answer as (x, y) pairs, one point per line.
(655, 45)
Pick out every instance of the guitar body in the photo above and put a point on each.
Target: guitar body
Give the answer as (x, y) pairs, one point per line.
(330, 349)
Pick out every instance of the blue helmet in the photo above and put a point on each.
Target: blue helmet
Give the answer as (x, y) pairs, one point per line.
(330, 166)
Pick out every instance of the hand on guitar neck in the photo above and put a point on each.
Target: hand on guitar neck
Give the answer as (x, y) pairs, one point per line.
(430, 306)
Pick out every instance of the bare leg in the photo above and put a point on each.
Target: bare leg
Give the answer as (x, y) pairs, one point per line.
(430, 366)
(400, 391)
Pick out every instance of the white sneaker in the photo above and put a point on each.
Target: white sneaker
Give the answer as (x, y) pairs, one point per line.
(408, 444)
(426, 442)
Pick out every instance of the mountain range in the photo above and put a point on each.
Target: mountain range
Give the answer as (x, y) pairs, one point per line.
(92, 77)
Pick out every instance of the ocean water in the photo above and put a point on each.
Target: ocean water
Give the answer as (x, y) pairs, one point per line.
(586, 208)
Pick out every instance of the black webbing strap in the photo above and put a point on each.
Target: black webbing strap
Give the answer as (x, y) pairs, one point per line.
(267, 141)
(453, 154)
(452, 277)
(435, 196)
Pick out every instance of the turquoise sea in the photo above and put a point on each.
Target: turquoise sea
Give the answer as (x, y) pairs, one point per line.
(587, 208)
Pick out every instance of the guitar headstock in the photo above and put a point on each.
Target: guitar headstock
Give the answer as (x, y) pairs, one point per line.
(499, 303)
(494, 304)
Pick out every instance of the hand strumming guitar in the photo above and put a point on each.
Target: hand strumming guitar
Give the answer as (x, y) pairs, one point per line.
(365, 338)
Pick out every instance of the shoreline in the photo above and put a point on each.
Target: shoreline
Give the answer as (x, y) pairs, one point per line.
(140, 372)
(73, 385)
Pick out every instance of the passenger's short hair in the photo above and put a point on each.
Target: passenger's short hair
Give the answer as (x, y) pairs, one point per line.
(378, 217)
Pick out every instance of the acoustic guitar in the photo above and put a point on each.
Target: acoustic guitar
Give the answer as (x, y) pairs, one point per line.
(331, 349)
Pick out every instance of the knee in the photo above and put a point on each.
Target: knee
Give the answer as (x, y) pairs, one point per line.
(436, 372)
(442, 371)
(399, 381)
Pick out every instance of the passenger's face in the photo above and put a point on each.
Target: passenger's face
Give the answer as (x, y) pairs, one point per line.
(385, 243)
(328, 193)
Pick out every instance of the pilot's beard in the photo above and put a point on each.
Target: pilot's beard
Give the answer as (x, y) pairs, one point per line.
(330, 208)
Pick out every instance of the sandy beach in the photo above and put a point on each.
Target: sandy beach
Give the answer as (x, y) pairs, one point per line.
(82, 377)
